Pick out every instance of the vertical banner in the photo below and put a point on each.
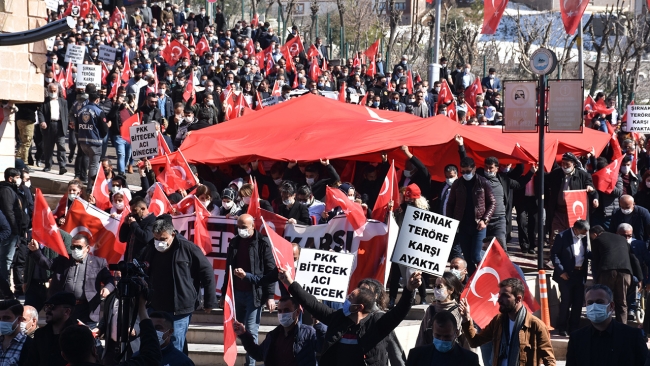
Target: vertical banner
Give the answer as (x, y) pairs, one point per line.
(520, 106)
(565, 105)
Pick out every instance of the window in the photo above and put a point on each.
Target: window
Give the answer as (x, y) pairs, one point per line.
(300, 9)
(400, 6)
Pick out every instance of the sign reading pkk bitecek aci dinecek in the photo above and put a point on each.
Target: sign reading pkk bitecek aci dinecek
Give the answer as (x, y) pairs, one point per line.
(325, 274)
(424, 241)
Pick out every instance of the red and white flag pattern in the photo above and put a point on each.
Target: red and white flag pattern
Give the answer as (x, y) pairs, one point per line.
(159, 203)
(44, 229)
(100, 191)
(229, 317)
(572, 11)
(492, 13)
(576, 204)
(353, 211)
(482, 291)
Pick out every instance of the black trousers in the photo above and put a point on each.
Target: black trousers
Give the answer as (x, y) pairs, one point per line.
(18, 265)
(527, 222)
(572, 296)
(51, 139)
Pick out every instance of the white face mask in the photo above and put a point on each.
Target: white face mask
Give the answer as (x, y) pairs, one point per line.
(189, 119)
(279, 180)
(78, 254)
(450, 181)
(72, 196)
(18, 181)
(629, 240)
(310, 181)
(115, 189)
(436, 89)
(161, 245)
(567, 170)
(625, 169)
(227, 205)
(440, 294)
(244, 233)
(628, 211)
(161, 337)
(285, 319)
(246, 200)
(28, 183)
(119, 206)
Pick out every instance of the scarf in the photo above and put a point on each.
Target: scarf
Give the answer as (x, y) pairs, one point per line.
(509, 347)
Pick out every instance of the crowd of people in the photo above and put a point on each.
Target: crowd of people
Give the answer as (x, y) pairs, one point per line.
(227, 70)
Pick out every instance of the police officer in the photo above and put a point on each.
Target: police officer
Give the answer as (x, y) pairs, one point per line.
(80, 101)
(92, 127)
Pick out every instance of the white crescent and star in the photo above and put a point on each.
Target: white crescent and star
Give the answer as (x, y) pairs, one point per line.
(479, 273)
(581, 205)
(80, 229)
(375, 117)
(104, 188)
(232, 308)
(386, 184)
(180, 169)
(174, 54)
(160, 205)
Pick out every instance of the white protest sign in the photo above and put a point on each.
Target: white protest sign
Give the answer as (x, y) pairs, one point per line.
(107, 54)
(75, 54)
(325, 274)
(143, 140)
(52, 4)
(49, 43)
(638, 118)
(424, 241)
(88, 74)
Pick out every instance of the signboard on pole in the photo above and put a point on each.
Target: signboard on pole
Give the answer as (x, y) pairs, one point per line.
(565, 105)
(638, 118)
(520, 106)
(75, 54)
(325, 274)
(107, 54)
(87, 74)
(52, 4)
(425, 240)
(143, 140)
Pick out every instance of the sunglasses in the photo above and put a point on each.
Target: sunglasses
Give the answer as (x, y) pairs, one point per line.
(77, 247)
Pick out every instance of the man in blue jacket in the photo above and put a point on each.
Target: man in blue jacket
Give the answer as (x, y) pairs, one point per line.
(291, 342)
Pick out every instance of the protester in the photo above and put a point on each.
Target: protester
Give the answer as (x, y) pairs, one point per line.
(46, 350)
(290, 342)
(164, 324)
(354, 334)
(84, 275)
(30, 323)
(178, 270)
(516, 335)
(603, 341)
(446, 293)
(249, 254)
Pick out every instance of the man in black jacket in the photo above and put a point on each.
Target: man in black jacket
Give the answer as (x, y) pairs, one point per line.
(53, 125)
(613, 264)
(605, 342)
(633, 214)
(295, 212)
(356, 335)
(46, 350)
(444, 351)
(416, 172)
(11, 207)
(312, 176)
(249, 255)
(138, 226)
(177, 272)
(570, 177)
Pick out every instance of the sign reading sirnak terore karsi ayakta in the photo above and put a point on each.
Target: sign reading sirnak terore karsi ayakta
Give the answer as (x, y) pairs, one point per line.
(425, 240)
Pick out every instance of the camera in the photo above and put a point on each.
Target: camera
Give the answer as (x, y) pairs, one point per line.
(133, 280)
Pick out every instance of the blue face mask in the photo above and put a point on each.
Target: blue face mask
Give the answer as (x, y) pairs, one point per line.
(443, 346)
(598, 313)
(346, 307)
(395, 102)
(375, 104)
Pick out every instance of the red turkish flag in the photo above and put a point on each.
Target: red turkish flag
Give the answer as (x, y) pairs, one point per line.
(274, 221)
(409, 82)
(294, 46)
(372, 51)
(254, 205)
(295, 82)
(190, 42)
(471, 92)
(389, 191)
(576, 203)
(201, 236)
(202, 46)
(229, 317)
(44, 229)
(277, 89)
(471, 112)
(624, 118)
(364, 100)
(605, 179)
(342, 97)
(259, 57)
(159, 203)
(177, 175)
(141, 44)
(189, 90)
(268, 57)
(69, 82)
(353, 211)
(100, 229)
(113, 92)
(482, 291)
(492, 13)
(134, 120)
(100, 191)
(324, 67)
(312, 52)
(229, 106)
(163, 148)
(445, 95)
(84, 8)
(255, 21)
(104, 73)
(290, 65)
(250, 47)
(356, 62)
(186, 205)
(115, 253)
(372, 68)
(239, 105)
(282, 250)
(258, 103)
(451, 111)
(174, 52)
(314, 70)
(126, 72)
(572, 11)
(116, 18)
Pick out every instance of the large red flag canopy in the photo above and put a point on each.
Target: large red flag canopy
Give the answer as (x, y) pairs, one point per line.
(295, 130)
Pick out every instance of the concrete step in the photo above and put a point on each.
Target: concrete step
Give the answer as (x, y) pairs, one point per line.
(212, 354)
(207, 333)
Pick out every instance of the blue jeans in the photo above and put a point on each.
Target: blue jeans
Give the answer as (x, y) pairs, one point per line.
(249, 315)
(471, 242)
(181, 323)
(123, 151)
(7, 250)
